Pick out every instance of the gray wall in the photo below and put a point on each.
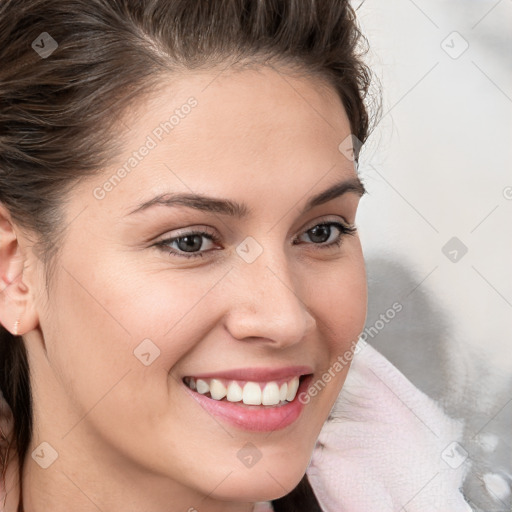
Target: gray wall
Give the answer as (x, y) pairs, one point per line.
(438, 169)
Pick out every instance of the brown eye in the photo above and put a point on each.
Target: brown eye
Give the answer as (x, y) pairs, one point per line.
(187, 245)
(322, 233)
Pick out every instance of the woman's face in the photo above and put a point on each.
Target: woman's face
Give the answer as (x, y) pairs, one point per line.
(266, 296)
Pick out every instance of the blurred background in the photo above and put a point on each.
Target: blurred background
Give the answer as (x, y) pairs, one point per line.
(436, 226)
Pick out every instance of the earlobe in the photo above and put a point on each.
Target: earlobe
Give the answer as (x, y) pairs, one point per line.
(17, 312)
(16, 327)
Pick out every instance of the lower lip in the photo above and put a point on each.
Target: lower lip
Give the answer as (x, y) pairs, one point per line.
(254, 417)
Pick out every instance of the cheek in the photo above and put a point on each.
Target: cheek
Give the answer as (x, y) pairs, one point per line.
(131, 307)
(117, 331)
(341, 315)
(342, 305)
(111, 343)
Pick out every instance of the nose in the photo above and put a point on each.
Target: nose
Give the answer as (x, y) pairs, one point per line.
(267, 305)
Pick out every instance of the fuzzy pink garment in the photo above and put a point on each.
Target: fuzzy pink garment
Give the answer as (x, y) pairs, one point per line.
(387, 446)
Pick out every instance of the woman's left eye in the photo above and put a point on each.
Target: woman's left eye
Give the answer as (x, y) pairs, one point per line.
(188, 244)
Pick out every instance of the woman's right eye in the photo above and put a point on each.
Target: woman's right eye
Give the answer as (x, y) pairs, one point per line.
(186, 241)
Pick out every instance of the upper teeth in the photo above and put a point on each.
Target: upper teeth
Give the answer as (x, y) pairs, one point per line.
(250, 393)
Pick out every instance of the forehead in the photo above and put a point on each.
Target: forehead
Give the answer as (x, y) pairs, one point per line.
(247, 107)
(227, 132)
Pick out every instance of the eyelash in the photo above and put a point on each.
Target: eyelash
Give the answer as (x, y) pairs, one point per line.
(163, 244)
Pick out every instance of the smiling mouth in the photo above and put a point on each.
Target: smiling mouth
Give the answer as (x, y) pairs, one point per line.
(271, 393)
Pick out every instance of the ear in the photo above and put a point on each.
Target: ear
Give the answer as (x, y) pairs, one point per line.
(17, 309)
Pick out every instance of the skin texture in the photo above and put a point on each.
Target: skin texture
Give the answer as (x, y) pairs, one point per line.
(128, 436)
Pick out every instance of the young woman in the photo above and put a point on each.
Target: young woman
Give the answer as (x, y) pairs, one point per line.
(179, 259)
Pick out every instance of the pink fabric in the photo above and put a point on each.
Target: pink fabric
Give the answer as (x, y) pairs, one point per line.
(387, 446)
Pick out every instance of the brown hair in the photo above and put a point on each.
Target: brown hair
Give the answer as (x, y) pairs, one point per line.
(58, 111)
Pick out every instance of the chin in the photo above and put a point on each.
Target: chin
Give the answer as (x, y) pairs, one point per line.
(264, 481)
(261, 486)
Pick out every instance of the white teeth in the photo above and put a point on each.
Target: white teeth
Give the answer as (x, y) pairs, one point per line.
(252, 394)
(202, 387)
(292, 389)
(235, 393)
(283, 391)
(270, 395)
(217, 389)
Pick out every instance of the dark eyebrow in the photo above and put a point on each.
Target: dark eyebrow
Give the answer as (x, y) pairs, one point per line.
(240, 210)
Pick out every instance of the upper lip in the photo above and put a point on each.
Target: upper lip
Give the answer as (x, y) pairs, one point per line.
(257, 374)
